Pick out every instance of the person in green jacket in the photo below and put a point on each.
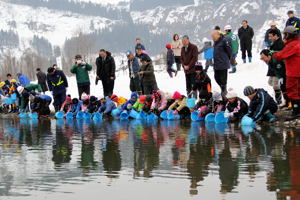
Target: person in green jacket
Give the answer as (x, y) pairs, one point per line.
(140, 103)
(81, 69)
(25, 93)
(234, 47)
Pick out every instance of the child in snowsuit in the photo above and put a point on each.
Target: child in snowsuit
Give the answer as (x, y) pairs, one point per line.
(236, 107)
(75, 106)
(161, 101)
(25, 92)
(120, 101)
(107, 105)
(41, 104)
(66, 106)
(208, 54)
(93, 105)
(170, 61)
(202, 83)
(262, 106)
(85, 98)
(180, 106)
(128, 105)
(148, 103)
(140, 103)
(216, 104)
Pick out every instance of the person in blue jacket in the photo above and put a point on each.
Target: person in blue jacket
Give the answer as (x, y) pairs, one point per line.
(262, 106)
(58, 84)
(208, 50)
(24, 80)
(41, 104)
(293, 21)
(107, 105)
(134, 68)
(76, 106)
(128, 105)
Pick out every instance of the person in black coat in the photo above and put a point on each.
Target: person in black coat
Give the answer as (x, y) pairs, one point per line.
(273, 28)
(222, 56)
(293, 21)
(275, 38)
(170, 61)
(106, 69)
(246, 34)
(42, 79)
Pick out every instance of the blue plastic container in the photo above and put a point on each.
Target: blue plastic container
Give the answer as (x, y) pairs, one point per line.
(124, 115)
(172, 116)
(116, 113)
(247, 121)
(97, 116)
(8, 101)
(33, 115)
(152, 117)
(219, 118)
(69, 115)
(23, 115)
(142, 116)
(79, 115)
(13, 96)
(164, 115)
(133, 114)
(87, 115)
(59, 115)
(195, 116)
(191, 102)
(210, 118)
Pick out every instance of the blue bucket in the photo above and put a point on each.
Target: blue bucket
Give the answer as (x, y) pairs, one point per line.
(116, 113)
(59, 115)
(247, 130)
(210, 118)
(164, 115)
(195, 116)
(124, 115)
(219, 118)
(142, 115)
(8, 101)
(79, 115)
(152, 117)
(247, 121)
(13, 96)
(133, 114)
(97, 116)
(23, 115)
(69, 115)
(172, 116)
(33, 115)
(191, 102)
(87, 115)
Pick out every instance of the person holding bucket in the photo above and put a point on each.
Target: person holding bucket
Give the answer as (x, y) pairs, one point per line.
(180, 106)
(236, 107)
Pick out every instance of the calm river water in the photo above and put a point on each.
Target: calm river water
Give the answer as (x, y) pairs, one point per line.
(61, 160)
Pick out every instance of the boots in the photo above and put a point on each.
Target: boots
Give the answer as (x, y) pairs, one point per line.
(223, 91)
(278, 96)
(244, 60)
(295, 112)
(233, 70)
(250, 59)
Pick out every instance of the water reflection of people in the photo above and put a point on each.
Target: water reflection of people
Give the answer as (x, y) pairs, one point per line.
(228, 171)
(62, 149)
(87, 161)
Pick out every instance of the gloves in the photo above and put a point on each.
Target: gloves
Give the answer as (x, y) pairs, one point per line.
(228, 114)
(175, 112)
(280, 81)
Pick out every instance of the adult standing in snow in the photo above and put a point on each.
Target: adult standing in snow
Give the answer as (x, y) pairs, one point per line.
(275, 38)
(81, 70)
(147, 76)
(141, 53)
(176, 47)
(234, 47)
(222, 56)
(291, 55)
(134, 68)
(170, 61)
(274, 29)
(106, 69)
(189, 57)
(293, 21)
(208, 50)
(138, 44)
(42, 79)
(246, 34)
(58, 84)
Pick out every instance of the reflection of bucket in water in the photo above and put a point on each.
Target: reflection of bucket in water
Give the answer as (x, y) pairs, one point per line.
(133, 114)
(33, 122)
(142, 115)
(152, 117)
(23, 115)
(59, 122)
(210, 127)
(97, 116)
(219, 118)
(210, 118)
(79, 115)
(33, 115)
(69, 115)
(87, 115)
(247, 130)
(59, 115)
(221, 128)
(124, 115)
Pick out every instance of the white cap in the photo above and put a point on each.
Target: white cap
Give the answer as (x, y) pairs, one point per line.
(227, 27)
(101, 97)
(20, 89)
(231, 94)
(217, 96)
(84, 96)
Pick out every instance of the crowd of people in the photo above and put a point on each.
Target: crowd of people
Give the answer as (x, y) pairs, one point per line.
(282, 55)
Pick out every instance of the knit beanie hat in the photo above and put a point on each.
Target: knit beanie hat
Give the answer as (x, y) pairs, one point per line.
(176, 95)
(249, 90)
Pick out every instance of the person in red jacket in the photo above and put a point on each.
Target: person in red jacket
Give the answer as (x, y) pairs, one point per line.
(291, 55)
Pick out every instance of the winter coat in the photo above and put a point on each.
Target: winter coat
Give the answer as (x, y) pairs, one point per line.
(93, 106)
(294, 21)
(140, 45)
(203, 85)
(57, 82)
(261, 103)
(82, 73)
(189, 57)
(107, 106)
(234, 42)
(178, 104)
(267, 41)
(278, 45)
(106, 68)
(170, 58)
(32, 87)
(75, 108)
(24, 80)
(138, 106)
(222, 53)
(161, 103)
(133, 67)
(291, 55)
(148, 76)
(277, 68)
(42, 80)
(176, 47)
(130, 101)
(237, 109)
(246, 35)
(208, 50)
(121, 101)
